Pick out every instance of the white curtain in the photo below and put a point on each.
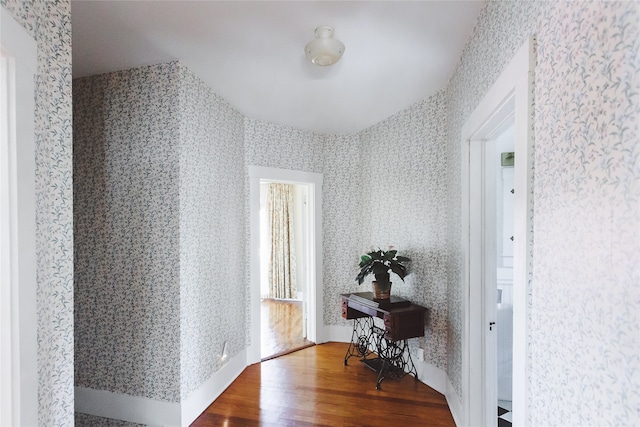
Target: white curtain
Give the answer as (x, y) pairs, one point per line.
(282, 264)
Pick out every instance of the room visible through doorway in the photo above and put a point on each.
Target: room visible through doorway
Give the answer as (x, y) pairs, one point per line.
(284, 287)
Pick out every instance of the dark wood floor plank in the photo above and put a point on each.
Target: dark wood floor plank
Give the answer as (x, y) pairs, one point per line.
(312, 387)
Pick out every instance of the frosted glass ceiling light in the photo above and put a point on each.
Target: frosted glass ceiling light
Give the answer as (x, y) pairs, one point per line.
(324, 50)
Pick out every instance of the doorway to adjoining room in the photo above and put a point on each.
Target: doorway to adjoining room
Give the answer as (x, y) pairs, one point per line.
(497, 247)
(500, 161)
(284, 237)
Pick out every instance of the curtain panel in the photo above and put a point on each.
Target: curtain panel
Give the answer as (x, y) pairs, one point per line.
(282, 263)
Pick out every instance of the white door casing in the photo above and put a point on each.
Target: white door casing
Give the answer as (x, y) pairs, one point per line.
(18, 347)
(511, 95)
(314, 299)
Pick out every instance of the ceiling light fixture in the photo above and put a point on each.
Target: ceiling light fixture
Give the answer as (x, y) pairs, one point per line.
(324, 49)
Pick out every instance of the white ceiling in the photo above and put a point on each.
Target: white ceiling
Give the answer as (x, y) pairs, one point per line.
(252, 52)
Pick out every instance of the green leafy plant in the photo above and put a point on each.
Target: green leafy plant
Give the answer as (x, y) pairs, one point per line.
(380, 263)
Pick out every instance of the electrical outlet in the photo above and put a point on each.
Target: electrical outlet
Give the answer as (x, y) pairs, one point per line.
(420, 354)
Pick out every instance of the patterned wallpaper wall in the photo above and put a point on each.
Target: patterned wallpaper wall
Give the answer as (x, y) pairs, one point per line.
(403, 183)
(212, 245)
(158, 159)
(277, 146)
(126, 212)
(585, 323)
(342, 221)
(584, 320)
(49, 23)
(584, 292)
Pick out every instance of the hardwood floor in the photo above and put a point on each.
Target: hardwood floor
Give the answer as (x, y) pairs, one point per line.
(312, 387)
(282, 328)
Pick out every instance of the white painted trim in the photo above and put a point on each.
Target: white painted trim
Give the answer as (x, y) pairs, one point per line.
(523, 237)
(7, 384)
(17, 41)
(335, 333)
(498, 94)
(463, 414)
(315, 298)
(513, 86)
(20, 51)
(455, 405)
(255, 322)
(208, 392)
(432, 376)
(125, 407)
(489, 276)
(475, 408)
(153, 412)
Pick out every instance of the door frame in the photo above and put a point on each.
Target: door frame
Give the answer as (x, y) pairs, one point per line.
(314, 298)
(18, 282)
(511, 94)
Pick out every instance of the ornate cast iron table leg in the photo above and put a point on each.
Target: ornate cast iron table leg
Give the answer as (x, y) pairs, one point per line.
(394, 359)
(360, 339)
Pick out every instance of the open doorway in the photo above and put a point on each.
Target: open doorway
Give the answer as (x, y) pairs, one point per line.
(284, 280)
(498, 195)
(508, 101)
(502, 160)
(312, 300)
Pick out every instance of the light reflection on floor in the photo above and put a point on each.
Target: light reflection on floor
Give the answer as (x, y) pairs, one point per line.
(282, 327)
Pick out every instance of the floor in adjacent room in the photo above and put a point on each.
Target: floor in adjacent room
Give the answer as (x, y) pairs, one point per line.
(504, 413)
(282, 328)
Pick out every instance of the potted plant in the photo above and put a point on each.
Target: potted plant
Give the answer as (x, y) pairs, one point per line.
(381, 263)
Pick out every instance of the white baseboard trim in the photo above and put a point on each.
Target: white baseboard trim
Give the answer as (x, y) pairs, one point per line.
(337, 333)
(431, 375)
(209, 391)
(455, 405)
(141, 410)
(152, 412)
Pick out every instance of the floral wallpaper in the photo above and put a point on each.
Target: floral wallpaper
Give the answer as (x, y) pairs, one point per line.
(403, 205)
(158, 158)
(584, 294)
(342, 205)
(584, 290)
(284, 147)
(49, 23)
(126, 212)
(84, 420)
(212, 267)
(585, 323)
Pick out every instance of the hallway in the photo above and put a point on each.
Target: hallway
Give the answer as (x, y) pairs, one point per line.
(313, 387)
